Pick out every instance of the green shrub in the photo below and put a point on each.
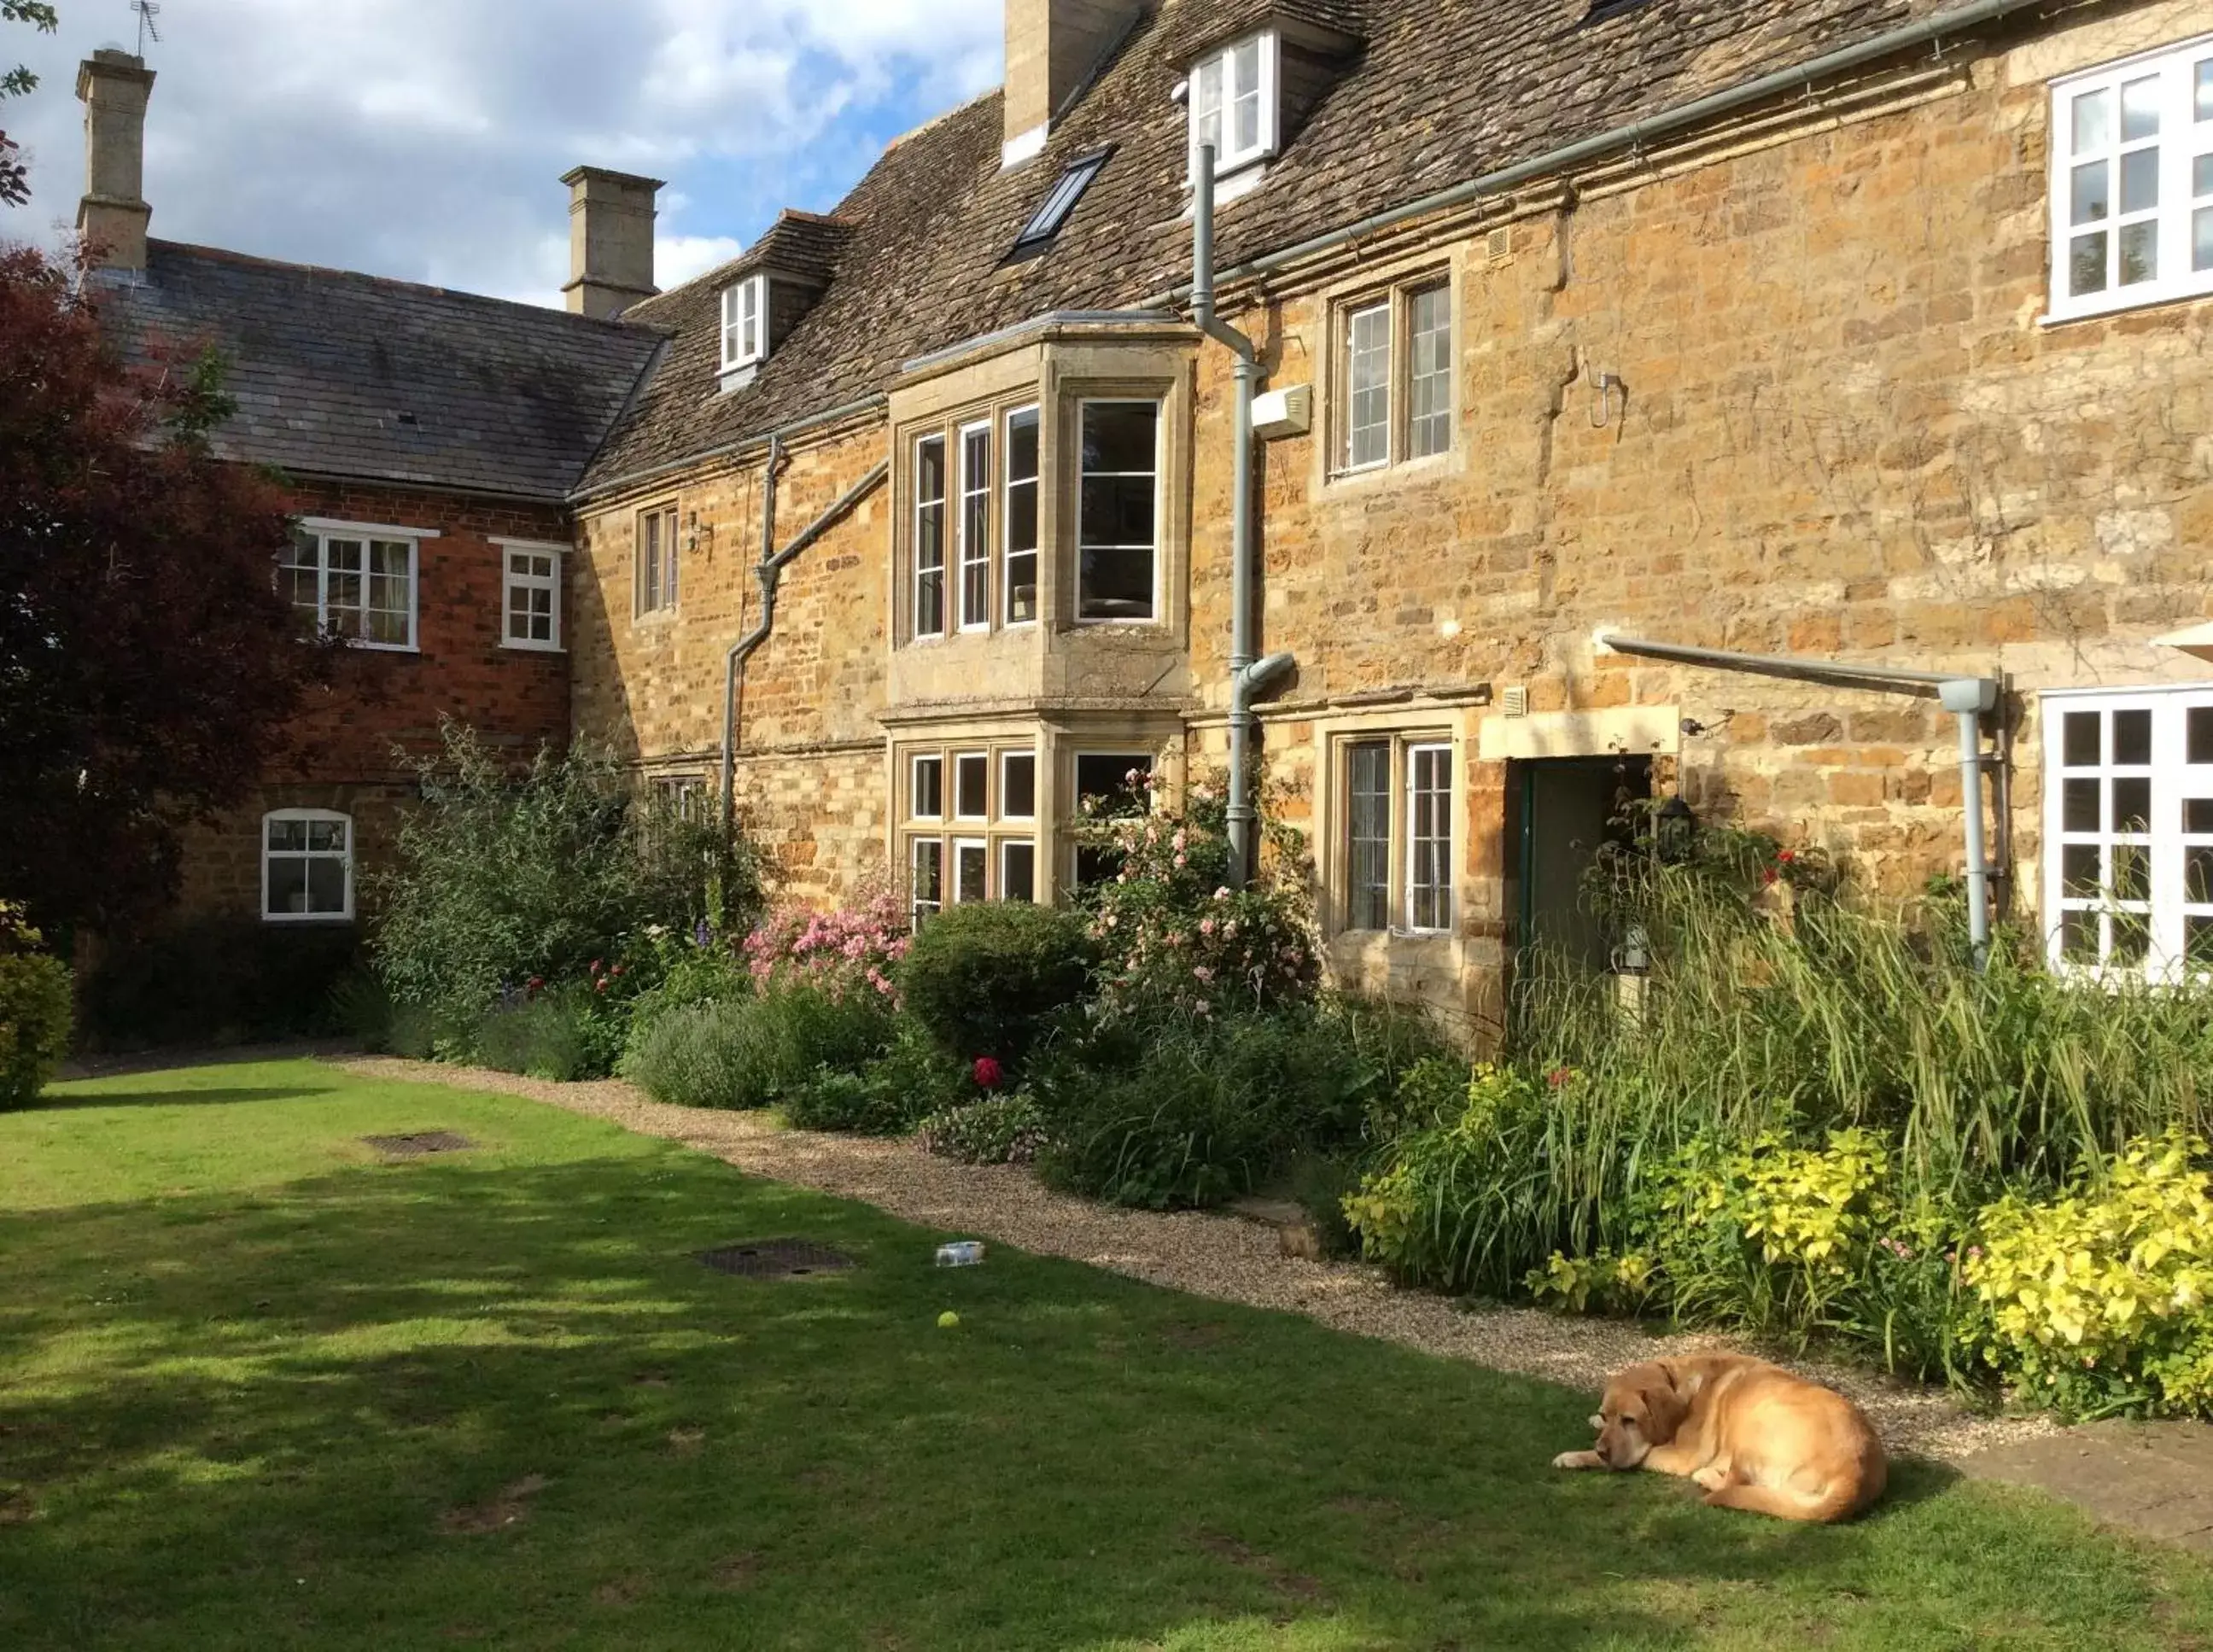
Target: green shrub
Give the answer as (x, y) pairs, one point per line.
(755, 1052)
(35, 1011)
(997, 1130)
(502, 879)
(220, 981)
(1320, 1183)
(691, 976)
(1203, 1114)
(563, 1035)
(987, 979)
(889, 1095)
(362, 1010)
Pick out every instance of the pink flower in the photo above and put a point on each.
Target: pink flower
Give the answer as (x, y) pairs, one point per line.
(1202, 975)
(988, 1073)
(1204, 1007)
(1222, 893)
(596, 966)
(1182, 839)
(1206, 926)
(1182, 860)
(616, 970)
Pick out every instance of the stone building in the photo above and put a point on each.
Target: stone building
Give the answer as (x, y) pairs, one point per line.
(1639, 382)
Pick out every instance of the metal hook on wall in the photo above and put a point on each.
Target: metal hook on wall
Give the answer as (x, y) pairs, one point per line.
(1602, 410)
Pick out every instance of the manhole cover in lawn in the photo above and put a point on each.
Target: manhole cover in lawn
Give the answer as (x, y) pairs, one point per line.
(776, 1259)
(414, 1146)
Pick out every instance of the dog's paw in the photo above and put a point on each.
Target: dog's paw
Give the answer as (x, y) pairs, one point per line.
(1711, 1478)
(1576, 1459)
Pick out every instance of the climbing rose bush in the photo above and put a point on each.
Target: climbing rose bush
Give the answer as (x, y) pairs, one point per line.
(855, 949)
(1173, 930)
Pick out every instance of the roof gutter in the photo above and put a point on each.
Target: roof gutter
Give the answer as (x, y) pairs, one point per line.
(782, 434)
(1955, 21)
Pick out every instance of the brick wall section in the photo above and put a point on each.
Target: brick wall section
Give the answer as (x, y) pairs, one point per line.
(340, 750)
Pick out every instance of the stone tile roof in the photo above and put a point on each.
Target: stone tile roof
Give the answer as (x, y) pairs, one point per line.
(351, 376)
(1441, 91)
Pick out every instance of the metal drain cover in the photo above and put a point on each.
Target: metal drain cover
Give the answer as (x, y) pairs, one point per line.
(414, 1146)
(776, 1259)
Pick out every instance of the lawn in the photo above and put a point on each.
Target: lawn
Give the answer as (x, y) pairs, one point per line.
(258, 1388)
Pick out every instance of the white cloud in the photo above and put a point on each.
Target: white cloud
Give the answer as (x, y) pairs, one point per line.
(424, 138)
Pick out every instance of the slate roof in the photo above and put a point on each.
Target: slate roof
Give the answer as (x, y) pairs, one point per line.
(350, 375)
(1439, 92)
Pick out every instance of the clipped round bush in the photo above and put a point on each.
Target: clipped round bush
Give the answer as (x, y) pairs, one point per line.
(752, 1052)
(34, 1012)
(986, 980)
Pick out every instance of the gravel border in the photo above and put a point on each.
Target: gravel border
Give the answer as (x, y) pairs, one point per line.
(1207, 1255)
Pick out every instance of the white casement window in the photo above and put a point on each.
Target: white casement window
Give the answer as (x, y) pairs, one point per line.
(653, 583)
(745, 323)
(307, 866)
(1394, 378)
(926, 790)
(531, 596)
(971, 868)
(971, 786)
(1233, 103)
(2132, 182)
(2128, 832)
(680, 797)
(1397, 843)
(1018, 786)
(1017, 869)
(1018, 533)
(925, 879)
(930, 537)
(1118, 512)
(355, 584)
(976, 528)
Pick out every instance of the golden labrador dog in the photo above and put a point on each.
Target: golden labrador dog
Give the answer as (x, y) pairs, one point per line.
(1751, 1434)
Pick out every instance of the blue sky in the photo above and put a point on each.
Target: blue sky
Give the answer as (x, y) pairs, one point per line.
(424, 139)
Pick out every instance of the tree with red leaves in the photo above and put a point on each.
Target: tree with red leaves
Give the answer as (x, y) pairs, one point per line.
(146, 662)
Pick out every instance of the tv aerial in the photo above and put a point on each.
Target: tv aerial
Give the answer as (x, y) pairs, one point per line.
(146, 12)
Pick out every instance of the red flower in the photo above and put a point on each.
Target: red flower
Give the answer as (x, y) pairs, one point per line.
(1768, 876)
(596, 966)
(1558, 1077)
(602, 987)
(1786, 858)
(989, 1074)
(538, 983)
(617, 970)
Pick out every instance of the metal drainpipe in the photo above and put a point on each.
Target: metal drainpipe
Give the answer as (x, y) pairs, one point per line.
(1246, 677)
(1968, 699)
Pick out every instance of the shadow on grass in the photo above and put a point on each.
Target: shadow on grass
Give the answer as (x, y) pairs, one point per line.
(72, 1103)
(505, 1405)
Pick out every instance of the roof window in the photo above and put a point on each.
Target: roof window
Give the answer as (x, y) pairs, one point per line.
(1233, 103)
(1059, 202)
(1602, 9)
(745, 323)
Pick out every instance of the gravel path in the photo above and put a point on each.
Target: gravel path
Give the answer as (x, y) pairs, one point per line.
(1215, 1256)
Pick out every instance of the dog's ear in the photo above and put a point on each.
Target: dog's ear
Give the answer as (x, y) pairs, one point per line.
(1665, 1410)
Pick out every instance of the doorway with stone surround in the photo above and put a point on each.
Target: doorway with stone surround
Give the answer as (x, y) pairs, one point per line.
(1571, 809)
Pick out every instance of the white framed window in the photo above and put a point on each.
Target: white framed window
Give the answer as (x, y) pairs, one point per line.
(1018, 785)
(307, 866)
(2132, 182)
(1018, 869)
(681, 797)
(1018, 531)
(1368, 834)
(926, 789)
(1394, 360)
(976, 527)
(2128, 873)
(971, 786)
(1117, 512)
(971, 870)
(1429, 839)
(1235, 103)
(745, 323)
(653, 575)
(357, 584)
(925, 879)
(930, 537)
(531, 595)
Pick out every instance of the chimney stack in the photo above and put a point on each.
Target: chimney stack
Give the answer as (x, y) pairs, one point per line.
(1053, 47)
(610, 240)
(114, 87)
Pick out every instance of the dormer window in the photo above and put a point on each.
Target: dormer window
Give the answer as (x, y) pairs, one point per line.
(1233, 103)
(745, 323)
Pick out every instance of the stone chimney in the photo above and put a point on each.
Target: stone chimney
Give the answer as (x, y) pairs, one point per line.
(1053, 47)
(610, 240)
(114, 87)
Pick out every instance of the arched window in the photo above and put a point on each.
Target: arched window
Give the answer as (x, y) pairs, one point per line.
(307, 866)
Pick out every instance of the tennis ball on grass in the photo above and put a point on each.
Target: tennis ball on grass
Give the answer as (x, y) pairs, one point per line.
(948, 1321)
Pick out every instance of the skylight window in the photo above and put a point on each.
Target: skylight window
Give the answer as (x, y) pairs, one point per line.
(1060, 201)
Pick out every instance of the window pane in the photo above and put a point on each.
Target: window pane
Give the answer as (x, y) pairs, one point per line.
(2091, 197)
(326, 837)
(299, 577)
(2078, 937)
(1115, 782)
(2201, 177)
(1117, 513)
(930, 537)
(2079, 875)
(2080, 810)
(2085, 740)
(327, 880)
(926, 876)
(342, 589)
(2197, 814)
(1021, 529)
(2086, 265)
(1018, 786)
(2200, 724)
(1367, 387)
(1245, 61)
(2140, 181)
(1018, 871)
(2139, 252)
(1120, 438)
(929, 800)
(2131, 872)
(2204, 98)
(390, 592)
(1118, 510)
(2132, 940)
(2140, 109)
(1430, 871)
(288, 884)
(971, 785)
(2131, 738)
(2197, 942)
(1369, 836)
(1117, 584)
(2197, 874)
(975, 528)
(2093, 122)
(2131, 805)
(929, 604)
(970, 861)
(1430, 431)
(2201, 239)
(288, 835)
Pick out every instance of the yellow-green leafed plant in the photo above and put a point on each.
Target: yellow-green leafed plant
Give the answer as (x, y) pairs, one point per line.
(2096, 1302)
(35, 1010)
(1816, 1210)
(1614, 1284)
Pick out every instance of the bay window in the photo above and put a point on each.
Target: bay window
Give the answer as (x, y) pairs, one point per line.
(930, 537)
(969, 823)
(1019, 533)
(976, 528)
(1118, 511)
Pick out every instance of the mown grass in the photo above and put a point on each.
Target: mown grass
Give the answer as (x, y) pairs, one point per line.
(259, 1389)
